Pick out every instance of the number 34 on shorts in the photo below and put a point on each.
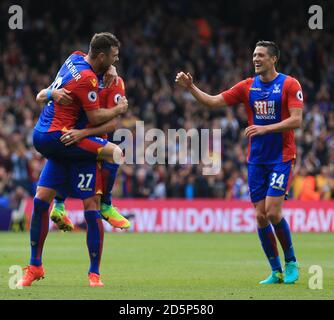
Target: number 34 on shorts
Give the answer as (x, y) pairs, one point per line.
(269, 180)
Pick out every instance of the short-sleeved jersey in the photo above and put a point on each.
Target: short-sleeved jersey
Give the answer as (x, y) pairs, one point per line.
(77, 76)
(109, 98)
(268, 103)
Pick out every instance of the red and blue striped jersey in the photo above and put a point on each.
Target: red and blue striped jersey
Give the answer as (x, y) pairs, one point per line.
(77, 76)
(268, 103)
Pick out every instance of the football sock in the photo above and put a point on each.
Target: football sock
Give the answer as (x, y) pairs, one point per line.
(109, 173)
(269, 246)
(283, 234)
(59, 202)
(95, 235)
(39, 229)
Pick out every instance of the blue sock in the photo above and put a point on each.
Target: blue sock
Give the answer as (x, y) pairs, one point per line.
(95, 234)
(283, 234)
(109, 173)
(39, 229)
(59, 202)
(59, 199)
(269, 246)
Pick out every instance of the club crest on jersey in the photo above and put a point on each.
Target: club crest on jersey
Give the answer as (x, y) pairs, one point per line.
(265, 110)
(93, 82)
(299, 95)
(117, 97)
(92, 96)
(277, 88)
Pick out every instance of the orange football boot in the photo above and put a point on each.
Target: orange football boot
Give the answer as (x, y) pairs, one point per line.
(94, 280)
(32, 273)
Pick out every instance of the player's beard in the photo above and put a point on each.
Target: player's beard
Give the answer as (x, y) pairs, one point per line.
(104, 68)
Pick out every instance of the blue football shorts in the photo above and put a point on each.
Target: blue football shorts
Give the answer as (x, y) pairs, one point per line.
(50, 146)
(81, 179)
(271, 180)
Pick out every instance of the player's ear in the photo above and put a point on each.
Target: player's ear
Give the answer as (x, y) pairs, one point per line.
(100, 56)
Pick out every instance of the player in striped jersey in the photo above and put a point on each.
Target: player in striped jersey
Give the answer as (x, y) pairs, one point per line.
(274, 103)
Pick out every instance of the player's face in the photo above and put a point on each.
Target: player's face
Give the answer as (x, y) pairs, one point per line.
(107, 60)
(262, 60)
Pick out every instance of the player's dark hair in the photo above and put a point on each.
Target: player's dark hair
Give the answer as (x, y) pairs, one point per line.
(273, 49)
(102, 42)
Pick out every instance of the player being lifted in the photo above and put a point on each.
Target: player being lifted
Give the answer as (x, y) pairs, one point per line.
(274, 103)
(109, 97)
(78, 75)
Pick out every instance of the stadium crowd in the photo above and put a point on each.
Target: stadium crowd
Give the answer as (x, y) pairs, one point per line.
(157, 42)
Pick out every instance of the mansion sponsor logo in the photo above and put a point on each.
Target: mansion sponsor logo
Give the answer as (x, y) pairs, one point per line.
(265, 110)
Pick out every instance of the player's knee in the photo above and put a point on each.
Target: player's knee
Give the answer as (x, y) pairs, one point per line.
(118, 156)
(112, 153)
(45, 194)
(273, 213)
(275, 218)
(92, 204)
(262, 220)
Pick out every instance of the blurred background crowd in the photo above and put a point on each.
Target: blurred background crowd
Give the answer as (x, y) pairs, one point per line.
(213, 41)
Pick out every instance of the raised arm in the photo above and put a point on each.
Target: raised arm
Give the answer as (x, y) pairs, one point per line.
(211, 101)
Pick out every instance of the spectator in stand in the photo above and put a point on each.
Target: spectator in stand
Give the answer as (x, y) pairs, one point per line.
(162, 39)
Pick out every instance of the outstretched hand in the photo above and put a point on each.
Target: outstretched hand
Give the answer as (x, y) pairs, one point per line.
(184, 80)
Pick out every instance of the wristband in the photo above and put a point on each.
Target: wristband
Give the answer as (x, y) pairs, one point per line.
(49, 94)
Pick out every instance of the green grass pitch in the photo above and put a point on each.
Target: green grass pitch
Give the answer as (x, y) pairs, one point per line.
(165, 266)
